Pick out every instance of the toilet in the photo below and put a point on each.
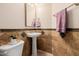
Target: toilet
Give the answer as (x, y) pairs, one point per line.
(12, 49)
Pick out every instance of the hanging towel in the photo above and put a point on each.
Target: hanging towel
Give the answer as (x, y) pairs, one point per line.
(61, 21)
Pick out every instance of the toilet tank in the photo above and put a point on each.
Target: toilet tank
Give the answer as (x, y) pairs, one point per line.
(12, 49)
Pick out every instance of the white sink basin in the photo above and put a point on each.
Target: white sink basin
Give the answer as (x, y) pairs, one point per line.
(33, 34)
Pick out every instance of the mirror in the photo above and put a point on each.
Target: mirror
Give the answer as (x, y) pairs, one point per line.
(38, 15)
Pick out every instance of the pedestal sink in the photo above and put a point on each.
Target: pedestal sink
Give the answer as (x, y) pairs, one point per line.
(34, 36)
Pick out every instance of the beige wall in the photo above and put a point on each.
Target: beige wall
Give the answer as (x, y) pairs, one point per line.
(46, 11)
(73, 14)
(56, 7)
(12, 15)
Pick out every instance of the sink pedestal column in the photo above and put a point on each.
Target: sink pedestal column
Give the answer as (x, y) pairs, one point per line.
(34, 42)
(34, 46)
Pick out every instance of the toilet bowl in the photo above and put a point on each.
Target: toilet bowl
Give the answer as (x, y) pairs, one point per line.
(12, 49)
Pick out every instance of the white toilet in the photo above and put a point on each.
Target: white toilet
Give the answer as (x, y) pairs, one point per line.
(12, 49)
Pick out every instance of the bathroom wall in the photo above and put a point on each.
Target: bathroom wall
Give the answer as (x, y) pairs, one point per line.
(12, 15)
(72, 11)
(56, 7)
(58, 46)
(69, 44)
(46, 11)
(50, 42)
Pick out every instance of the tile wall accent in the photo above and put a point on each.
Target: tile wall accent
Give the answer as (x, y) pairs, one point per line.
(52, 42)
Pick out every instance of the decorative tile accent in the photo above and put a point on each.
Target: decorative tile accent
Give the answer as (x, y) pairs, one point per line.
(50, 42)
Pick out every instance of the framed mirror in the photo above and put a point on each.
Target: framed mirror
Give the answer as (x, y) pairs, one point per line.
(38, 15)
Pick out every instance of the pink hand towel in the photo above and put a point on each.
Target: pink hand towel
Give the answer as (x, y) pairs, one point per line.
(61, 21)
